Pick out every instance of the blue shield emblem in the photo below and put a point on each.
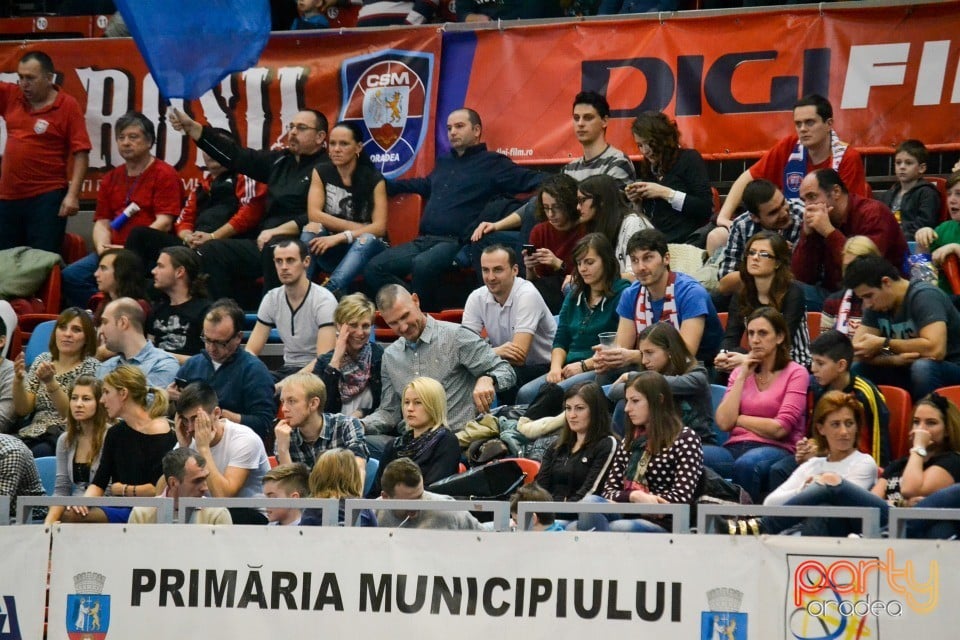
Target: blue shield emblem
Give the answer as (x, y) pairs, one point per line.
(723, 625)
(88, 616)
(387, 94)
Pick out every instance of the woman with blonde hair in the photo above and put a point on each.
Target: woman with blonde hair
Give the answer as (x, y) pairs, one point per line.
(80, 446)
(427, 441)
(336, 475)
(351, 371)
(843, 310)
(43, 389)
(133, 450)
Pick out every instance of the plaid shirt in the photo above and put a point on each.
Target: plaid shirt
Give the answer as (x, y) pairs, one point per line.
(18, 472)
(744, 227)
(339, 431)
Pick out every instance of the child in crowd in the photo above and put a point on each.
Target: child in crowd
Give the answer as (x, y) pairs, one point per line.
(539, 521)
(286, 481)
(914, 201)
(945, 239)
(312, 15)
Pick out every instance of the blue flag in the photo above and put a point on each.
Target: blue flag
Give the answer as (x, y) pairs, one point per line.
(191, 45)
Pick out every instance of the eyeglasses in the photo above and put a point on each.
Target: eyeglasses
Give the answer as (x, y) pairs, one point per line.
(582, 199)
(295, 126)
(220, 344)
(763, 254)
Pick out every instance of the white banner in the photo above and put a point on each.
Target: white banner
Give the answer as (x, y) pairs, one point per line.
(250, 582)
(24, 556)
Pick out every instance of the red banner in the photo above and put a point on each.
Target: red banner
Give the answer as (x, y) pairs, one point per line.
(730, 80)
(390, 92)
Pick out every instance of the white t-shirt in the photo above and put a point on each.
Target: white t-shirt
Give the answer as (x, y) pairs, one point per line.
(242, 448)
(298, 327)
(524, 311)
(858, 468)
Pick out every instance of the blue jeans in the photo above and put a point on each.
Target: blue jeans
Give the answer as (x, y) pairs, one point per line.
(33, 222)
(948, 498)
(78, 283)
(751, 466)
(426, 258)
(529, 391)
(920, 377)
(613, 521)
(845, 494)
(344, 262)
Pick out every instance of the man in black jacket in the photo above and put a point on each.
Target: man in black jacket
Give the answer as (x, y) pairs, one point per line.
(286, 173)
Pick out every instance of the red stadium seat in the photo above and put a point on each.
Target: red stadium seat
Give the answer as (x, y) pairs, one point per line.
(951, 393)
(941, 185)
(403, 219)
(529, 467)
(73, 248)
(901, 415)
(813, 323)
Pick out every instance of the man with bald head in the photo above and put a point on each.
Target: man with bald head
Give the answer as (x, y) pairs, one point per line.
(456, 191)
(121, 331)
(467, 366)
(287, 174)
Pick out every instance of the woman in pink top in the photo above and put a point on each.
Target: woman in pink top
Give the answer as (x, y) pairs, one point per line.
(764, 408)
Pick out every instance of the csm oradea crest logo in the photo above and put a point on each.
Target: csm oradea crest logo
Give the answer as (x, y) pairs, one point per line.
(388, 95)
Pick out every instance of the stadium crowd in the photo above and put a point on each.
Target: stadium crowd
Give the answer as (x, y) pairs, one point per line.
(600, 306)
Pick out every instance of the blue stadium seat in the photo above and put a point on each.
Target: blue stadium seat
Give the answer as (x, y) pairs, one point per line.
(47, 468)
(717, 391)
(371, 474)
(39, 341)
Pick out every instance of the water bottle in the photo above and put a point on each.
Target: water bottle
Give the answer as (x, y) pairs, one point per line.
(117, 223)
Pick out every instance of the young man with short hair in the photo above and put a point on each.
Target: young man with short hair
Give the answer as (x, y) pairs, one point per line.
(286, 481)
(306, 431)
(300, 310)
(519, 325)
(659, 295)
(910, 333)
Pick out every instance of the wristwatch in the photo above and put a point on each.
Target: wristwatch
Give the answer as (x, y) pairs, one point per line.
(920, 451)
(886, 344)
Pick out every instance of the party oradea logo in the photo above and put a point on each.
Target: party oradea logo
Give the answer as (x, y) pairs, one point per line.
(88, 610)
(387, 94)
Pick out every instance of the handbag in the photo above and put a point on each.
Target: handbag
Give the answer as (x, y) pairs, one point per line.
(496, 480)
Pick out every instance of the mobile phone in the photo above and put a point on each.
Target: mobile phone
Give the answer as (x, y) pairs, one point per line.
(529, 248)
(179, 383)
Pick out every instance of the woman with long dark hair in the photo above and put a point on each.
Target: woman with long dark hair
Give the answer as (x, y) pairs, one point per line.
(588, 310)
(347, 207)
(766, 282)
(674, 189)
(80, 446)
(43, 390)
(604, 209)
(660, 460)
(765, 405)
(580, 461)
(549, 262)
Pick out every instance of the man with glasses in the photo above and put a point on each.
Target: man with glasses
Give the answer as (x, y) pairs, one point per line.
(241, 381)
(45, 128)
(767, 210)
(143, 191)
(286, 172)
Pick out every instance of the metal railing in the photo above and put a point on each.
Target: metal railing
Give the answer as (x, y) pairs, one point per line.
(499, 508)
(25, 504)
(898, 518)
(680, 512)
(869, 516)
